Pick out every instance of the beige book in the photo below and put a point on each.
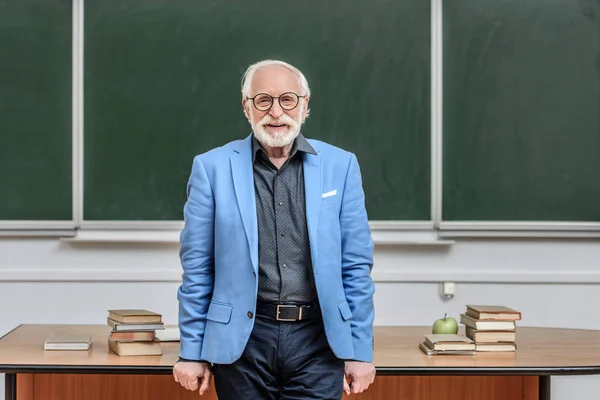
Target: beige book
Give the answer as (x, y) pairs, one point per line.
(486, 325)
(135, 348)
(134, 316)
(118, 326)
(169, 334)
(132, 336)
(449, 342)
(496, 347)
(493, 313)
(68, 341)
(490, 336)
(430, 351)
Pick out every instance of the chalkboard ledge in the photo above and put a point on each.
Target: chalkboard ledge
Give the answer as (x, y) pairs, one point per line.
(517, 234)
(400, 233)
(380, 237)
(38, 233)
(519, 229)
(37, 228)
(125, 236)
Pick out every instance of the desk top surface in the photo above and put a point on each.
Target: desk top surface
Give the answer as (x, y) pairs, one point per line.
(540, 351)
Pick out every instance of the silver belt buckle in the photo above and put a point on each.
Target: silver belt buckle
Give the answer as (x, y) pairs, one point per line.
(287, 319)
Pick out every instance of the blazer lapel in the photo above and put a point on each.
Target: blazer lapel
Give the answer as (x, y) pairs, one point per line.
(312, 191)
(243, 182)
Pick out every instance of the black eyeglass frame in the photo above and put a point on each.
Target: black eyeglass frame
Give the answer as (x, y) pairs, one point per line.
(278, 100)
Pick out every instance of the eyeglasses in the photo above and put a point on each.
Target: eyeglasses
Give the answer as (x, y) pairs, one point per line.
(263, 102)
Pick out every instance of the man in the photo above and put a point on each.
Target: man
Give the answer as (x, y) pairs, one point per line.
(276, 254)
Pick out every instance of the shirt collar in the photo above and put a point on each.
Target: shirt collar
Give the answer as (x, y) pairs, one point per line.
(300, 144)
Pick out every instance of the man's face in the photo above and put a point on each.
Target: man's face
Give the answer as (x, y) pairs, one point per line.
(276, 127)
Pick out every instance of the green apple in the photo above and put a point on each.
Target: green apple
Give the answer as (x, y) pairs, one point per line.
(445, 325)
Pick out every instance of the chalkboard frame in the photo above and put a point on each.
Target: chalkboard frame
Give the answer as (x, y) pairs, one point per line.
(492, 228)
(381, 228)
(59, 227)
(383, 225)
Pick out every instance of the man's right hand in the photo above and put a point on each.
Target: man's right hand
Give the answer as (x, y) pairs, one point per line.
(193, 374)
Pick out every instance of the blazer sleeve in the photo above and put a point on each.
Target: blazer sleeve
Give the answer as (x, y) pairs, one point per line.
(357, 262)
(197, 260)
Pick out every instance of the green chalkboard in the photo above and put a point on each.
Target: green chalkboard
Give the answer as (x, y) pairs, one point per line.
(521, 110)
(35, 110)
(162, 83)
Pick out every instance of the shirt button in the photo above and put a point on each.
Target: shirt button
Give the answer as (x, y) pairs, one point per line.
(284, 265)
(280, 203)
(250, 315)
(282, 234)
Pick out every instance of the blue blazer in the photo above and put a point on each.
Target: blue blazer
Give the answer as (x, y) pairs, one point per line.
(219, 253)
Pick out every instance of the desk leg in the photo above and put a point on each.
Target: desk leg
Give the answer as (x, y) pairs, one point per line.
(10, 386)
(544, 387)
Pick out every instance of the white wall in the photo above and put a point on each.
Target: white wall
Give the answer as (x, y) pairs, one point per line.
(49, 281)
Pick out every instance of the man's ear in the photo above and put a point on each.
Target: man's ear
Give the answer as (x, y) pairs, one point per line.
(305, 109)
(245, 107)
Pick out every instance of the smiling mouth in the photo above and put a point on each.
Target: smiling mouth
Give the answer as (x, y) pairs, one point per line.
(276, 125)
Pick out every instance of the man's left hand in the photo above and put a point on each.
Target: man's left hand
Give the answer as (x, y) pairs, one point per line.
(360, 374)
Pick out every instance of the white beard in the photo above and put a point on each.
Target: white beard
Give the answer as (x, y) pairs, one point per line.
(277, 139)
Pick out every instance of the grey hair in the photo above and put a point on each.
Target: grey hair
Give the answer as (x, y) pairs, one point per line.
(249, 74)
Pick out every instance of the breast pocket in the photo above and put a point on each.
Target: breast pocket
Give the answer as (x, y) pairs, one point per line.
(328, 202)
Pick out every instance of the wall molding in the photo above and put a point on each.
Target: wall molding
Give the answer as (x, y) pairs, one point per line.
(89, 275)
(379, 275)
(492, 276)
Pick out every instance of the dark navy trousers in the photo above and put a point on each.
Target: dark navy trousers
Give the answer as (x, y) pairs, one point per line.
(282, 360)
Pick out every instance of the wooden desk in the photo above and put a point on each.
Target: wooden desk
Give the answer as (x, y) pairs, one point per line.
(403, 371)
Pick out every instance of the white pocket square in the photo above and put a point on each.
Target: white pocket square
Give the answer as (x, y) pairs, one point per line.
(329, 194)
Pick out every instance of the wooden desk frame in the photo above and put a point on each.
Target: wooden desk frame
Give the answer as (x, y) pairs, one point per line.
(544, 380)
(550, 351)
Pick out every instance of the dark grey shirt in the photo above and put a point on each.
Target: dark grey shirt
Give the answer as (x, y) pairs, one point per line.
(285, 266)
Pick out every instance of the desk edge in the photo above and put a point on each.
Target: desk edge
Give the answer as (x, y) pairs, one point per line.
(381, 371)
(11, 331)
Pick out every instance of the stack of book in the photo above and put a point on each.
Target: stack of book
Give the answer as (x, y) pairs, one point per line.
(449, 344)
(492, 328)
(133, 332)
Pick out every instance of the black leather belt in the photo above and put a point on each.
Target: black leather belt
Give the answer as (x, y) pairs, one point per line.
(288, 312)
